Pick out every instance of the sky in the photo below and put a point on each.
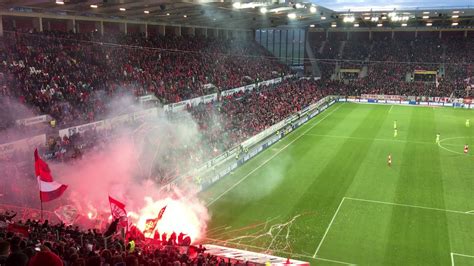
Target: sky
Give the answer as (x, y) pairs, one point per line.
(354, 5)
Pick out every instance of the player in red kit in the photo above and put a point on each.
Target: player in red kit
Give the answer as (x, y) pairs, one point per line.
(389, 160)
(466, 149)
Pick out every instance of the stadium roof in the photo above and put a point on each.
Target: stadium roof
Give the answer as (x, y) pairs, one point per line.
(366, 5)
(205, 13)
(244, 14)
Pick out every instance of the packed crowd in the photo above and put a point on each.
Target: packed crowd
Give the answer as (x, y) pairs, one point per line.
(221, 124)
(73, 76)
(225, 123)
(391, 64)
(242, 115)
(37, 243)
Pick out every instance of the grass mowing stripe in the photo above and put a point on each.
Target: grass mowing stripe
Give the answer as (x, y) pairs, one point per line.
(271, 157)
(405, 235)
(316, 173)
(315, 196)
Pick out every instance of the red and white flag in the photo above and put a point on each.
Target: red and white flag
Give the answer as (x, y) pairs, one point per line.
(150, 224)
(118, 211)
(162, 211)
(49, 189)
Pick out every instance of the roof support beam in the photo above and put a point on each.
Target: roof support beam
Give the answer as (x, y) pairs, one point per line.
(95, 19)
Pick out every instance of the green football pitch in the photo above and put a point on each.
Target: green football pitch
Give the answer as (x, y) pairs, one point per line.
(325, 194)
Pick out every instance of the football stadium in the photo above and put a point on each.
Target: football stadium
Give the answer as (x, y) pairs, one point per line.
(270, 132)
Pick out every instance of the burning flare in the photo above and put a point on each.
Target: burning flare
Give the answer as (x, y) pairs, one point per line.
(181, 216)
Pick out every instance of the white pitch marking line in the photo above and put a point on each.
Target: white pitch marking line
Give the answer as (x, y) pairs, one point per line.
(407, 205)
(269, 159)
(460, 255)
(329, 226)
(446, 149)
(390, 109)
(470, 211)
(335, 261)
(376, 139)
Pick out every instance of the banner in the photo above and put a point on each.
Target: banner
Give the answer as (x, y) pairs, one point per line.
(414, 99)
(67, 214)
(179, 106)
(33, 120)
(382, 97)
(252, 86)
(99, 125)
(145, 114)
(23, 145)
(110, 123)
(349, 70)
(425, 72)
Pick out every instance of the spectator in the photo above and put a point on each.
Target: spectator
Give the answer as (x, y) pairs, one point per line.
(17, 259)
(4, 251)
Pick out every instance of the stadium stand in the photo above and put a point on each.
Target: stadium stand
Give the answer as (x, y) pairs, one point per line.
(71, 76)
(223, 125)
(391, 65)
(74, 77)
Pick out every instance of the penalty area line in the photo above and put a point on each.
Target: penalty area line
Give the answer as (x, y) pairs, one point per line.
(269, 159)
(453, 254)
(385, 203)
(329, 227)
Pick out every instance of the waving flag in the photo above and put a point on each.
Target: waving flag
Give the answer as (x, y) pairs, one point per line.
(49, 189)
(117, 208)
(151, 223)
(18, 228)
(118, 211)
(67, 214)
(161, 212)
(150, 227)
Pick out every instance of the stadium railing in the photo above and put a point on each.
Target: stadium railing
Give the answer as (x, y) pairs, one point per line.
(466, 103)
(37, 141)
(250, 258)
